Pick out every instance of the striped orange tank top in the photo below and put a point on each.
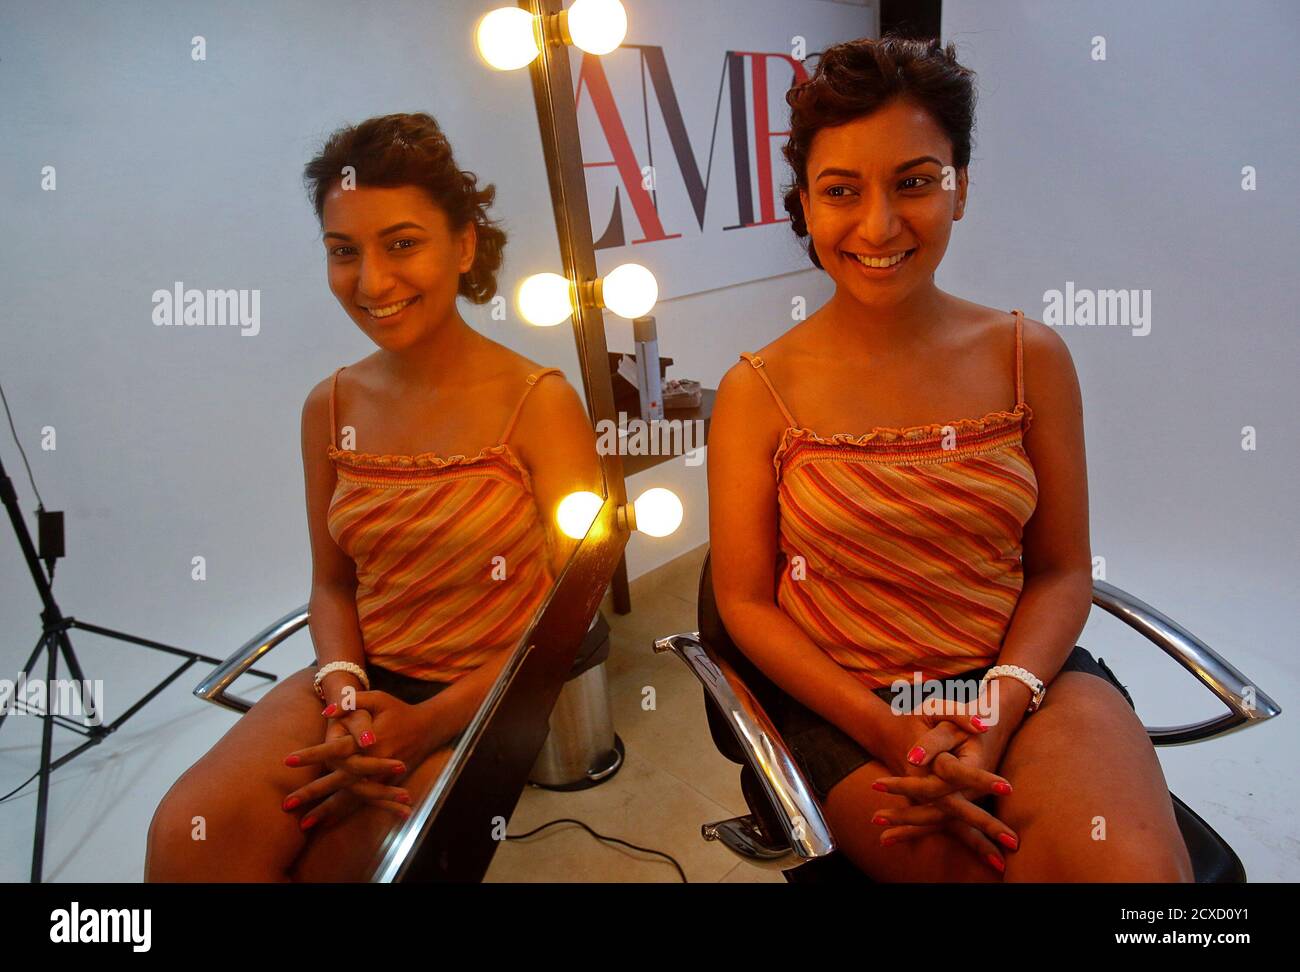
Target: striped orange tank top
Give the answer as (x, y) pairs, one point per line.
(900, 548)
(452, 556)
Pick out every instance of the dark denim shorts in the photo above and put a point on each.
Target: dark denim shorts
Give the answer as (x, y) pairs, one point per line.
(827, 755)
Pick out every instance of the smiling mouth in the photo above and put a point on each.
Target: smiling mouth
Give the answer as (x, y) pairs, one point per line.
(388, 310)
(882, 263)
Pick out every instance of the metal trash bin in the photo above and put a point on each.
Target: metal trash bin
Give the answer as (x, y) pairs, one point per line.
(582, 748)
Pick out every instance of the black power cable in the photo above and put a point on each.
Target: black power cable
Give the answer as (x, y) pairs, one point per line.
(612, 840)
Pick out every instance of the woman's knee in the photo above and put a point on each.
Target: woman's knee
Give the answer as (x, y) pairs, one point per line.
(1094, 850)
(176, 837)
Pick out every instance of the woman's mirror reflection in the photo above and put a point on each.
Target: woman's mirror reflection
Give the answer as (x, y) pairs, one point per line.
(434, 468)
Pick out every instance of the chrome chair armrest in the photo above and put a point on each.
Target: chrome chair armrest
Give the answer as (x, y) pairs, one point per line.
(1248, 704)
(213, 688)
(767, 755)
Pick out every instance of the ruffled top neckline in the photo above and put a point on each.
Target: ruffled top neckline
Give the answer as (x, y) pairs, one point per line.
(419, 460)
(912, 434)
(428, 462)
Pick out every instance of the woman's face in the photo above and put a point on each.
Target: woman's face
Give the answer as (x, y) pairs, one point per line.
(876, 189)
(389, 248)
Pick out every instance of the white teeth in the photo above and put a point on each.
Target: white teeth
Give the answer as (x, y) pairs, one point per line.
(881, 263)
(388, 311)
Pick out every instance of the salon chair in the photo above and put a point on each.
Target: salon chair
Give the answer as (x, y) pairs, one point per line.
(785, 828)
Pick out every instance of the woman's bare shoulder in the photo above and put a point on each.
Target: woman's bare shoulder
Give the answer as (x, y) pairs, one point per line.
(781, 358)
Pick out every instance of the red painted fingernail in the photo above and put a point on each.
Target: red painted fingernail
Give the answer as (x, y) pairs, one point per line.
(880, 786)
(888, 840)
(403, 798)
(997, 863)
(291, 761)
(880, 820)
(308, 823)
(367, 738)
(290, 803)
(1002, 788)
(916, 755)
(1006, 840)
(399, 768)
(329, 710)
(978, 724)
(405, 812)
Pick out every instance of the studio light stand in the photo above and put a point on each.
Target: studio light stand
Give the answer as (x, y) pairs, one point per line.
(54, 640)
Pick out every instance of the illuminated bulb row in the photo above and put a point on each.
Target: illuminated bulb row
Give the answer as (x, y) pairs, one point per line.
(657, 512)
(510, 37)
(546, 299)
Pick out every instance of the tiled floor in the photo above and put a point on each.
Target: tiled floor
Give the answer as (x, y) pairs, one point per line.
(673, 779)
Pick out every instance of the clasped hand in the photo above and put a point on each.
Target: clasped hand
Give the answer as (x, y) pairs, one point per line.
(947, 761)
(366, 750)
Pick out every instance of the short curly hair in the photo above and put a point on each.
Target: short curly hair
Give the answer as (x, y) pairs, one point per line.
(859, 77)
(411, 149)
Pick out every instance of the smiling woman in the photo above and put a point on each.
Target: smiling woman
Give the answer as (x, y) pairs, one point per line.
(871, 461)
(433, 471)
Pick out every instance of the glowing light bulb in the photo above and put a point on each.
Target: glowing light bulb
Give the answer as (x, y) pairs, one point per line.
(576, 513)
(630, 290)
(544, 299)
(658, 512)
(597, 26)
(505, 38)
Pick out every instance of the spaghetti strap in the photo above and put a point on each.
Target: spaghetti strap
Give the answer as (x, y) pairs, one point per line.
(334, 387)
(1020, 368)
(533, 379)
(757, 362)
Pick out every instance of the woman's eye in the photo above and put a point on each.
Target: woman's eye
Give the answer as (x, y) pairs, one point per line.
(337, 251)
(922, 180)
(838, 192)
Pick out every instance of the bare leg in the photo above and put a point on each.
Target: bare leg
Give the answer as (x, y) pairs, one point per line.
(1089, 800)
(221, 821)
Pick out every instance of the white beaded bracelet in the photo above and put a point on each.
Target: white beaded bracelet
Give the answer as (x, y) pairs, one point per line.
(1031, 681)
(339, 666)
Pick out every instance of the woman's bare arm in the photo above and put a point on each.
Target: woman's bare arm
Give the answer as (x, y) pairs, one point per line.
(1057, 593)
(555, 440)
(743, 539)
(333, 622)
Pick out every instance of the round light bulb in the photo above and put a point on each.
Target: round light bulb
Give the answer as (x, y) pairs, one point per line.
(576, 512)
(505, 38)
(630, 290)
(597, 26)
(544, 299)
(658, 512)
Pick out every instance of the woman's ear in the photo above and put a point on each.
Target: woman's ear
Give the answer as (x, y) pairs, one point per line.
(963, 182)
(803, 203)
(468, 246)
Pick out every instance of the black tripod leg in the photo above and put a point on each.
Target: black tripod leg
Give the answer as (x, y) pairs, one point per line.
(27, 671)
(74, 666)
(47, 745)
